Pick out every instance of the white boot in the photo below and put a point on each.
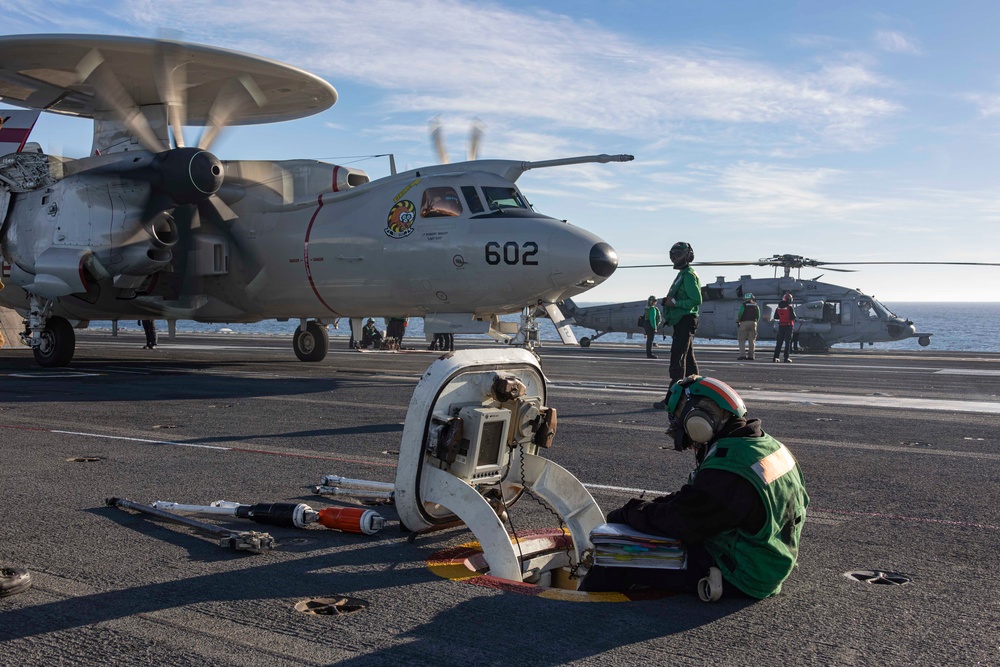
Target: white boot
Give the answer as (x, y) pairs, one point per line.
(710, 586)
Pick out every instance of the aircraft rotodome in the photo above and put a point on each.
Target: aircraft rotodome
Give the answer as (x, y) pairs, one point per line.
(826, 314)
(150, 227)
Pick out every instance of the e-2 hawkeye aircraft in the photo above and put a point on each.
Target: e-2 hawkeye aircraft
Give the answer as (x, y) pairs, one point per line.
(148, 227)
(826, 314)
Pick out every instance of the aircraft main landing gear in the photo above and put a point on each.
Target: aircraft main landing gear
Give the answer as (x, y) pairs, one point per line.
(51, 338)
(311, 341)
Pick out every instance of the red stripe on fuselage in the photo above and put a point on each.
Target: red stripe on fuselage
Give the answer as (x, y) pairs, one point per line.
(305, 257)
(15, 135)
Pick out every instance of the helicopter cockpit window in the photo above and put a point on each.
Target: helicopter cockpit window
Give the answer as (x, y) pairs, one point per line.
(881, 308)
(867, 310)
(472, 199)
(501, 198)
(440, 203)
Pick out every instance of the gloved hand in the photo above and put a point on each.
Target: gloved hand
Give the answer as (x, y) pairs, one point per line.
(616, 516)
(620, 515)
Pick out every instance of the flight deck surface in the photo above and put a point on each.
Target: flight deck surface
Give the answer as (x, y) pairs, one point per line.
(899, 450)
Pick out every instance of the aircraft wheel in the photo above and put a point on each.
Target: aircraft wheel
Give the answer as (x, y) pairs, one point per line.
(924, 341)
(58, 343)
(584, 342)
(815, 343)
(311, 344)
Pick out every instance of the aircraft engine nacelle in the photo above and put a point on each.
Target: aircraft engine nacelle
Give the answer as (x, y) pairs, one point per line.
(54, 233)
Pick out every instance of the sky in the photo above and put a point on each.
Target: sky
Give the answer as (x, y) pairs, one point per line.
(844, 131)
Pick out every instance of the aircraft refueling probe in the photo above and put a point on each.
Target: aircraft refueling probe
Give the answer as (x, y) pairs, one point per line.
(251, 541)
(289, 515)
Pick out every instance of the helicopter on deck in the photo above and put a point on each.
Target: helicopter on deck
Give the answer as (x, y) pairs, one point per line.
(826, 314)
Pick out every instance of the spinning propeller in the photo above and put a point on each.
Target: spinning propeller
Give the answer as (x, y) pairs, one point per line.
(185, 181)
(437, 139)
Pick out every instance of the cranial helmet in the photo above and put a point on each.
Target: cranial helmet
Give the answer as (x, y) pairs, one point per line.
(681, 254)
(699, 407)
(748, 296)
(651, 300)
(370, 321)
(787, 297)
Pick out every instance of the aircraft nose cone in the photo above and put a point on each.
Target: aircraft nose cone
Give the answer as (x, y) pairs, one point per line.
(603, 259)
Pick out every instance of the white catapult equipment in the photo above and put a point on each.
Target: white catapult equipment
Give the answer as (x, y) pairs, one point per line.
(471, 446)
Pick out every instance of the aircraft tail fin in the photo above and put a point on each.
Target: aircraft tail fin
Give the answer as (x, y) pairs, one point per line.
(15, 126)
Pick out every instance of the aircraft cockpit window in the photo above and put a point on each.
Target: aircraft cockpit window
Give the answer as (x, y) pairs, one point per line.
(440, 203)
(472, 199)
(881, 308)
(501, 198)
(867, 310)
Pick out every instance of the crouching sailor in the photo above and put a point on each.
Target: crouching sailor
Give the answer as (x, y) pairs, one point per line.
(739, 516)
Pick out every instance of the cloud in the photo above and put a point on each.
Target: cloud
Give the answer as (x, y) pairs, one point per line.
(988, 104)
(534, 66)
(891, 41)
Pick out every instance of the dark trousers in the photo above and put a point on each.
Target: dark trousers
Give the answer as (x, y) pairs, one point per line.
(149, 328)
(682, 362)
(784, 339)
(650, 335)
(683, 581)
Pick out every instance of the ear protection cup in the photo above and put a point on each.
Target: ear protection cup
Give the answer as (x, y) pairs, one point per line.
(702, 420)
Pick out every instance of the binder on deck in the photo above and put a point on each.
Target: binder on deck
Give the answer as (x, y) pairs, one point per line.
(621, 545)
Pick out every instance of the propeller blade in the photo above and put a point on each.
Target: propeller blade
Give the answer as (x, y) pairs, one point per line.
(437, 140)
(234, 95)
(475, 136)
(110, 91)
(270, 175)
(171, 84)
(226, 221)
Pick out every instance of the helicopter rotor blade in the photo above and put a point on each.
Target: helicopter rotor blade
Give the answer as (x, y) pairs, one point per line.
(918, 263)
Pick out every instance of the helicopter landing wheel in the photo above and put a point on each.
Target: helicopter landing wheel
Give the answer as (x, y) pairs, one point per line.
(584, 342)
(311, 344)
(58, 342)
(924, 341)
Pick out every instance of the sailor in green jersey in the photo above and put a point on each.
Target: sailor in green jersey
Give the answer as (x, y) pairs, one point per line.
(740, 515)
(650, 323)
(681, 307)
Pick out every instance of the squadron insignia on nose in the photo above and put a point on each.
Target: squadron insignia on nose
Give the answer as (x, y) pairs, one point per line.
(401, 218)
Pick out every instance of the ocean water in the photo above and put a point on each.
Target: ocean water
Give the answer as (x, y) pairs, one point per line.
(969, 327)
